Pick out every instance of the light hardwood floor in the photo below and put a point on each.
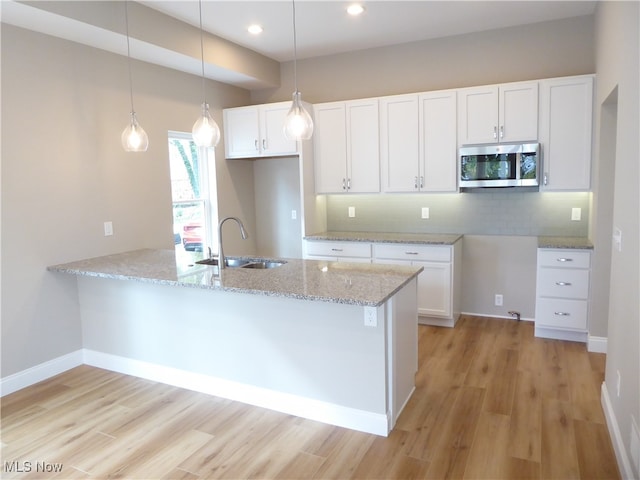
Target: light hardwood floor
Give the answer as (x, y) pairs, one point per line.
(492, 402)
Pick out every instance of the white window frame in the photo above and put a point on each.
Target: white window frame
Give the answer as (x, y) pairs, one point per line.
(208, 190)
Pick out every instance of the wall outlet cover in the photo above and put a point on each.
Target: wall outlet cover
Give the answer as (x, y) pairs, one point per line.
(576, 214)
(425, 212)
(352, 212)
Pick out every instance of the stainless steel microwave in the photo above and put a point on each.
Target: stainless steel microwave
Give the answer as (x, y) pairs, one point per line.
(501, 165)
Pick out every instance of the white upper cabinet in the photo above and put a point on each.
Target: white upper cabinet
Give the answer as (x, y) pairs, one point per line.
(418, 142)
(346, 147)
(257, 131)
(498, 113)
(566, 124)
(438, 152)
(400, 143)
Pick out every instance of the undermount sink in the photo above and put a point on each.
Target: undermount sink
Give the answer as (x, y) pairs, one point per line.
(242, 263)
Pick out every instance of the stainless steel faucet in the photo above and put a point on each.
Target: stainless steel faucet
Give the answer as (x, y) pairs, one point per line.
(243, 232)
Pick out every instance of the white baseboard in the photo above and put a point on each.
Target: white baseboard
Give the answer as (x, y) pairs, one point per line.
(320, 411)
(622, 457)
(488, 315)
(597, 344)
(41, 372)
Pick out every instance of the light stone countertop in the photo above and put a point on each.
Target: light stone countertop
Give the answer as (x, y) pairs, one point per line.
(346, 283)
(565, 242)
(382, 237)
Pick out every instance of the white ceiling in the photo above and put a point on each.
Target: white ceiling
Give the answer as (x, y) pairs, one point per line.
(324, 28)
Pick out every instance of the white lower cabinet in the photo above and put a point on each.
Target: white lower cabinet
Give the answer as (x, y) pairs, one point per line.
(438, 284)
(562, 294)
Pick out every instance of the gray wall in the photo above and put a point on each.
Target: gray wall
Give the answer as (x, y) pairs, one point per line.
(618, 95)
(64, 173)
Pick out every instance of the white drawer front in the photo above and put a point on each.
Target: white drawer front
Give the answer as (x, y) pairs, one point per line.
(339, 249)
(560, 313)
(565, 258)
(563, 283)
(429, 253)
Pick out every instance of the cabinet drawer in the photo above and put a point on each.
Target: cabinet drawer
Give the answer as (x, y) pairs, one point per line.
(565, 258)
(339, 249)
(429, 253)
(560, 313)
(563, 283)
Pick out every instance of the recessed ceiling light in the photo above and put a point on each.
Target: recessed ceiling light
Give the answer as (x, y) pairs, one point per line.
(254, 29)
(355, 9)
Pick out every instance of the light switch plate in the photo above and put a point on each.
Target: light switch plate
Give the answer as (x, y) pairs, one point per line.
(108, 229)
(425, 212)
(352, 212)
(576, 214)
(370, 317)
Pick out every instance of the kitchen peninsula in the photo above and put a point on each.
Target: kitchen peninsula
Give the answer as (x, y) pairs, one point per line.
(333, 342)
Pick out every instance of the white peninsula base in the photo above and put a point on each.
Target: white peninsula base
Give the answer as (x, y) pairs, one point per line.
(347, 365)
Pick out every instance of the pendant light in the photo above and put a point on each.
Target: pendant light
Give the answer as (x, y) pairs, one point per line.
(205, 132)
(298, 124)
(134, 138)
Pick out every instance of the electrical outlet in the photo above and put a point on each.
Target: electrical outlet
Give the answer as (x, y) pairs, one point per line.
(498, 300)
(576, 214)
(352, 212)
(108, 229)
(425, 212)
(617, 239)
(370, 317)
(294, 214)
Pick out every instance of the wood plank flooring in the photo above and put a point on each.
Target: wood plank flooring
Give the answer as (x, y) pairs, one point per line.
(491, 402)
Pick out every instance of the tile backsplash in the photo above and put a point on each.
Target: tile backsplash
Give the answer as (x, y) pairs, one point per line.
(477, 212)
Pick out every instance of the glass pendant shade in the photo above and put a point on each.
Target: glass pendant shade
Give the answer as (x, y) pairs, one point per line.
(206, 132)
(298, 124)
(134, 138)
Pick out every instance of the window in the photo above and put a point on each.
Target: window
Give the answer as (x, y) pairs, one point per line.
(192, 191)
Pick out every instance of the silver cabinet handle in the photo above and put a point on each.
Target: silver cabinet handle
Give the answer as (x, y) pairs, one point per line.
(415, 182)
(348, 184)
(501, 131)
(495, 132)
(546, 179)
(264, 143)
(255, 143)
(563, 284)
(336, 249)
(565, 259)
(562, 314)
(411, 253)
(421, 181)
(344, 183)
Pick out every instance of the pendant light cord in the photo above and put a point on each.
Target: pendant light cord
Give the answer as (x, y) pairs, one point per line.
(126, 16)
(295, 49)
(204, 96)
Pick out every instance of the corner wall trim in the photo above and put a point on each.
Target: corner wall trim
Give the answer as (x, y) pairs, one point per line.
(624, 462)
(40, 372)
(333, 414)
(597, 344)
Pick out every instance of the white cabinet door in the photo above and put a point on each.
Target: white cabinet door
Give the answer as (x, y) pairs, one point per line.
(330, 144)
(434, 289)
(566, 119)
(399, 143)
(242, 132)
(439, 155)
(478, 115)
(363, 149)
(518, 112)
(498, 113)
(257, 131)
(273, 141)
